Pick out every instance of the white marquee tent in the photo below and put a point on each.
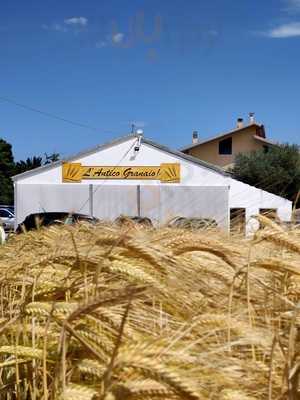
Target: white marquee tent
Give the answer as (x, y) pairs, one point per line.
(135, 176)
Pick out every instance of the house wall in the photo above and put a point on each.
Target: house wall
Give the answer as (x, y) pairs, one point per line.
(242, 142)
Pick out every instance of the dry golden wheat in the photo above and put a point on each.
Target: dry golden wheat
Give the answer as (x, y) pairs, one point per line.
(130, 313)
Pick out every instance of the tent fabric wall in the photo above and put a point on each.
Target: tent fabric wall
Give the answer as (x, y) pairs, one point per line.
(159, 203)
(253, 199)
(162, 203)
(32, 199)
(109, 202)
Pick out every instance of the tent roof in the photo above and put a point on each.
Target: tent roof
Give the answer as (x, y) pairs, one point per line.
(114, 142)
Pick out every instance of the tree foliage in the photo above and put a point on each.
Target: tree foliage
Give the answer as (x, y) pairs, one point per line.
(30, 163)
(50, 158)
(276, 171)
(6, 171)
(9, 168)
(35, 162)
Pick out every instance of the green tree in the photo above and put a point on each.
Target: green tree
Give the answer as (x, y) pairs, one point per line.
(30, 163)
(7, 168)
(276, 171)
(34, 162)
(51, 158)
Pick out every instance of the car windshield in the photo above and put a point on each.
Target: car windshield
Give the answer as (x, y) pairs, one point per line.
(9, 208)
(5, 213)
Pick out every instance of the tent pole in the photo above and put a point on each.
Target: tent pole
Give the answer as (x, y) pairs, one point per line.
(91, 200)
(138, 199)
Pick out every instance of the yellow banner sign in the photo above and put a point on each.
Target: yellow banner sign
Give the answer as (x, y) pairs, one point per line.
(75, 172)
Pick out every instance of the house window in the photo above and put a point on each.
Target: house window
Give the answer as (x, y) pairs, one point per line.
(225, 146)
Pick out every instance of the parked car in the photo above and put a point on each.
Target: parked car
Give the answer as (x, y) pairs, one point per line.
(10, 208)
(7, 218)
(34, 221)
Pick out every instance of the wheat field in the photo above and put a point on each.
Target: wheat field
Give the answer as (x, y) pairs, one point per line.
(110, 312)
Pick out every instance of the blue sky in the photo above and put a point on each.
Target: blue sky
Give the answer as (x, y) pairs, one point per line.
(169, 66)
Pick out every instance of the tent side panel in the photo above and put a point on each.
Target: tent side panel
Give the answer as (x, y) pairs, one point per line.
(150, 202)
(109, 202)
(32, 199)
(254, 199)
(163, 203)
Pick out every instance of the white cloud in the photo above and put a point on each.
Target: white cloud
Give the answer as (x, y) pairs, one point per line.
(110, 40)
(292, 5)
(55, 27)
(118, 37)
(78, 21)
(213, 32)
(70, 24)
(101, 44)
(285, 31)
